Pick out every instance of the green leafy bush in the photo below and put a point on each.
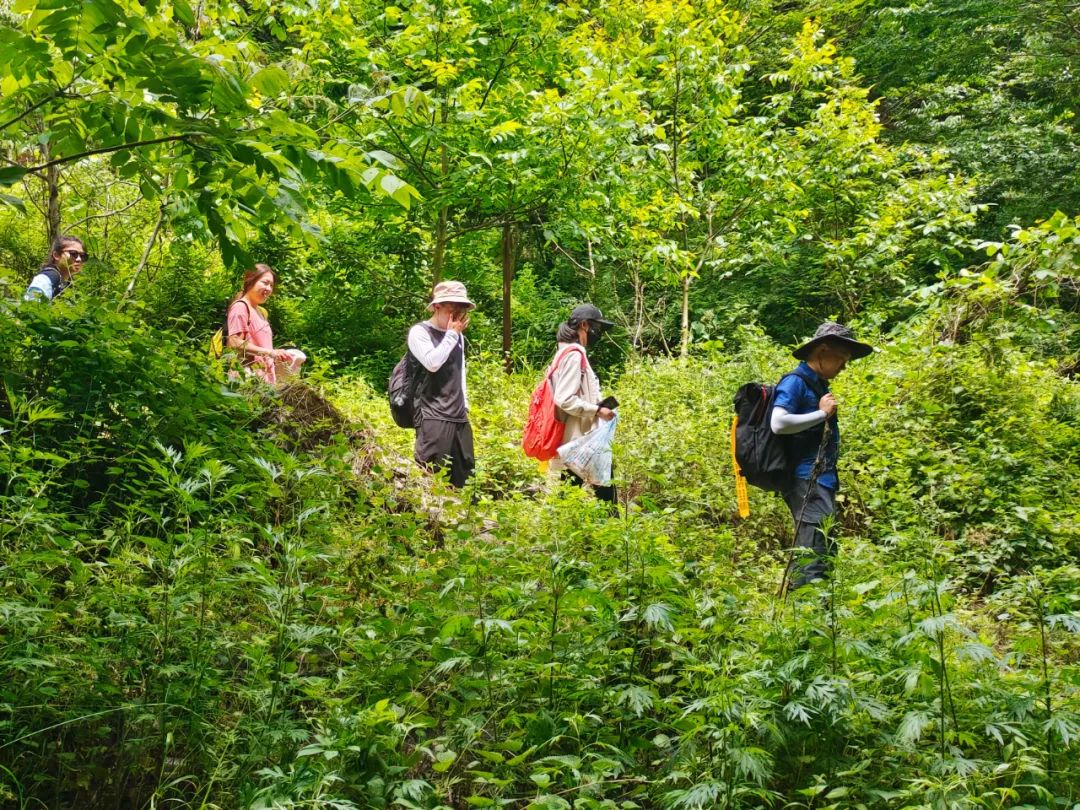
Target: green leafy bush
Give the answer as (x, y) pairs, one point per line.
(228, 614)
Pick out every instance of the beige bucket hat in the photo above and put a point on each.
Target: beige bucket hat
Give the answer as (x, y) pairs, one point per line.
(450, 292)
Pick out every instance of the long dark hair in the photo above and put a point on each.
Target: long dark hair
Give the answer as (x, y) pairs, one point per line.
(252, 276)
(57, 246)
(567, 332)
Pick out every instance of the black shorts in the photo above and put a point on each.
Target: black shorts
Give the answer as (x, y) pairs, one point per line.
(439, 443)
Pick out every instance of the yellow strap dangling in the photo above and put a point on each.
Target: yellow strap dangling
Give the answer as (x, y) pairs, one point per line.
(740, 483)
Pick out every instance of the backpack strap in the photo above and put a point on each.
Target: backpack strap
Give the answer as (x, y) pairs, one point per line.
(54, 277)
(261, 310)
(560, 357)
(813, 385)
(225, 330)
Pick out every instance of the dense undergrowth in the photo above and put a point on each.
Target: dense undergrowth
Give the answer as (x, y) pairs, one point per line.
(210, 600)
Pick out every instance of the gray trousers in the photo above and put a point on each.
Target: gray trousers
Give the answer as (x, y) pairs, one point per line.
(820, 502)
(439, 443)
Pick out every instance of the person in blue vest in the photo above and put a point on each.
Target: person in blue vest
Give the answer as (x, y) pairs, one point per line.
(66, 258)
(805, 411)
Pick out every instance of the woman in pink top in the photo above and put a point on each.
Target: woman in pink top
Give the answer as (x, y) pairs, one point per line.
(249, 331)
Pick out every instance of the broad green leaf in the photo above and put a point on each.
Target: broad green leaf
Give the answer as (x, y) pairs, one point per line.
(183, 13)
(9, 175)
(271, 81)
(443, 761)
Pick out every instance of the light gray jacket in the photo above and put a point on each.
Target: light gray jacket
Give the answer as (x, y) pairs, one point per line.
(576, 392)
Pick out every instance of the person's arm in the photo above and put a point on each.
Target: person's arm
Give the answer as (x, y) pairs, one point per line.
(239, 325)
(41, 287)
(789, 393)
(246, 347)
(464, 381)
(423, 349)
(784, 423)
(240, 330)
(566, 386)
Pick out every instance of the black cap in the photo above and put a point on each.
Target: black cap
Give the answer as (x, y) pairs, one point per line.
(587, 312)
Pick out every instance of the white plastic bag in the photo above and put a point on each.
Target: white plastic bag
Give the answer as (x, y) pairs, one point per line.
(589, 456)
(287, 369)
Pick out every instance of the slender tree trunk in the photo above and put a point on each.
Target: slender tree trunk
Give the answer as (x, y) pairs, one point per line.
(52, 203)
(439, 256)
(440, 247)
(507, 277)
(684, 342)
(684, 348)
(592, 271)
(146, 255)
(639, 308)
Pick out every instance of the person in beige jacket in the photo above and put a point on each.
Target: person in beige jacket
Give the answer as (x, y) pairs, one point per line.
(575, 388)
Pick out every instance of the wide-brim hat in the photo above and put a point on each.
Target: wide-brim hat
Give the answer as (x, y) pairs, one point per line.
(831, 332)
(588, 312)
(450, 292)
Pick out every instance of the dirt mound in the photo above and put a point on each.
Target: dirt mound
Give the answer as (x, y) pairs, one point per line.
(309, 421)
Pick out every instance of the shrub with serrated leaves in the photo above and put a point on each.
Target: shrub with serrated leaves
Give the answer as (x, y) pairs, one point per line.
(235, 622)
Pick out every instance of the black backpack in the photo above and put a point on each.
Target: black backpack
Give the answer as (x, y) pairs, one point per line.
(764, 458)
(404, 380)
(404, 383)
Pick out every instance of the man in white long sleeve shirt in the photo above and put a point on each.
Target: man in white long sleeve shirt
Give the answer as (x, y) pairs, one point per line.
(443, 433)
(802, 406)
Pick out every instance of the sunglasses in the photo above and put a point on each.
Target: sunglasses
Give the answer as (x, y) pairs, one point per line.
(82, 256)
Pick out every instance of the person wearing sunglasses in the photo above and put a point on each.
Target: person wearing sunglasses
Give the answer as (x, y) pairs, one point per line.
(65, 259)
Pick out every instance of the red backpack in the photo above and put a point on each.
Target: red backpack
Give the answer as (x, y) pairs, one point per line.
(543, 431)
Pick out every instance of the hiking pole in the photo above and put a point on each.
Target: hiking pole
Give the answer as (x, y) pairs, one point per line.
(815, 471)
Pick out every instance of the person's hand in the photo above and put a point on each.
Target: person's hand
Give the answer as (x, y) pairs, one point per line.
(281, 355)
(828, 404)
(606, 414)
(459, 321)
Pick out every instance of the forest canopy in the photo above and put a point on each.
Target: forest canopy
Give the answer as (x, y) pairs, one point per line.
(688, 166)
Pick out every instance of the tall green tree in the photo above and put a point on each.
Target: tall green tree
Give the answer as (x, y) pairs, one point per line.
(994, 83)
(193, 106)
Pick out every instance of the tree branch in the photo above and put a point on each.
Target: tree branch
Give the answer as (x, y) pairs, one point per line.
(84, 220)
(573, 261)
(104, 150)
(31, 108)
(146, 254)
(499, 70)
(496, 220)
(410, 157)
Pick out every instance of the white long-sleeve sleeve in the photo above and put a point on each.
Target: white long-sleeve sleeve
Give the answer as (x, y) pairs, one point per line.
(432, 357)
(424, 349)
(40, 288)
(784, 423)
